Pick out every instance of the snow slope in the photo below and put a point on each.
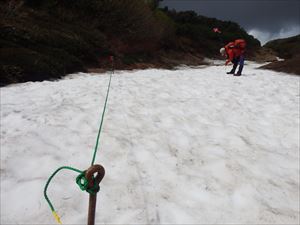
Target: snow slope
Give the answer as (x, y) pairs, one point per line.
(189, 146)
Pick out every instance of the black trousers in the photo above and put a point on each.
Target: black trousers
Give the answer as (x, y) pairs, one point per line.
(238, 61)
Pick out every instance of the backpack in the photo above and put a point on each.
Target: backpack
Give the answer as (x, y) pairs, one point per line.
(240, 44)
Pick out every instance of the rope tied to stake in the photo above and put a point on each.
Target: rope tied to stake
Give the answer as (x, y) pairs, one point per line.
(89, 179)
(83, 184)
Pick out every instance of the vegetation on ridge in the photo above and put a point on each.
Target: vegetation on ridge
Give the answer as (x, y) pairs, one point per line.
(46, 39)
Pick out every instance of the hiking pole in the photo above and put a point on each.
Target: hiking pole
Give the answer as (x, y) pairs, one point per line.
(93, 184)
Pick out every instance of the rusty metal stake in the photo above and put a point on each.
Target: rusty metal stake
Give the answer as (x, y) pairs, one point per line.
(89, 174)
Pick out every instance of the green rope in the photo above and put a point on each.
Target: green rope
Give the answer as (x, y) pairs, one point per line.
(51, 177)
(80, 179)
(101, 123)
(47, 184)
(82, 182)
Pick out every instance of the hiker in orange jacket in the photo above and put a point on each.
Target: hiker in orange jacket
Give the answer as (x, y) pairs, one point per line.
(234, 52)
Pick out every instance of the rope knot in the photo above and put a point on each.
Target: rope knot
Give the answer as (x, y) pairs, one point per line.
(82, 182)
(90, 179)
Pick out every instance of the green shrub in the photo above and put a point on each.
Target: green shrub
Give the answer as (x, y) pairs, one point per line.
(21, 64)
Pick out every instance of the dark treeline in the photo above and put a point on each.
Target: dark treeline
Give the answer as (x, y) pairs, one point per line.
(46, 39)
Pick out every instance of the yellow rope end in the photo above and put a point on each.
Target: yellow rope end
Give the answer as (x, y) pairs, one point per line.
(57, 218)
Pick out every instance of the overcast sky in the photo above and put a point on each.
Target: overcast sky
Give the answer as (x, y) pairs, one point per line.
(264, 19)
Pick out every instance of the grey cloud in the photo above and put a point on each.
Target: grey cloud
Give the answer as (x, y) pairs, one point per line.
(271, 16)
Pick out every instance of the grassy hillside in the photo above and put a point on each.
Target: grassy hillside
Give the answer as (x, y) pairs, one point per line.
(288, 49)
(46, 39)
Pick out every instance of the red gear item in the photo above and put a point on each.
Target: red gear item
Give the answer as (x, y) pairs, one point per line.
(240, 43)
(235, 49)
(240, 46)
(216, 30)
(230, 53)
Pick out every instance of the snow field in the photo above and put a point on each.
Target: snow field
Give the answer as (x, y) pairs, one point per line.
(189, 146)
